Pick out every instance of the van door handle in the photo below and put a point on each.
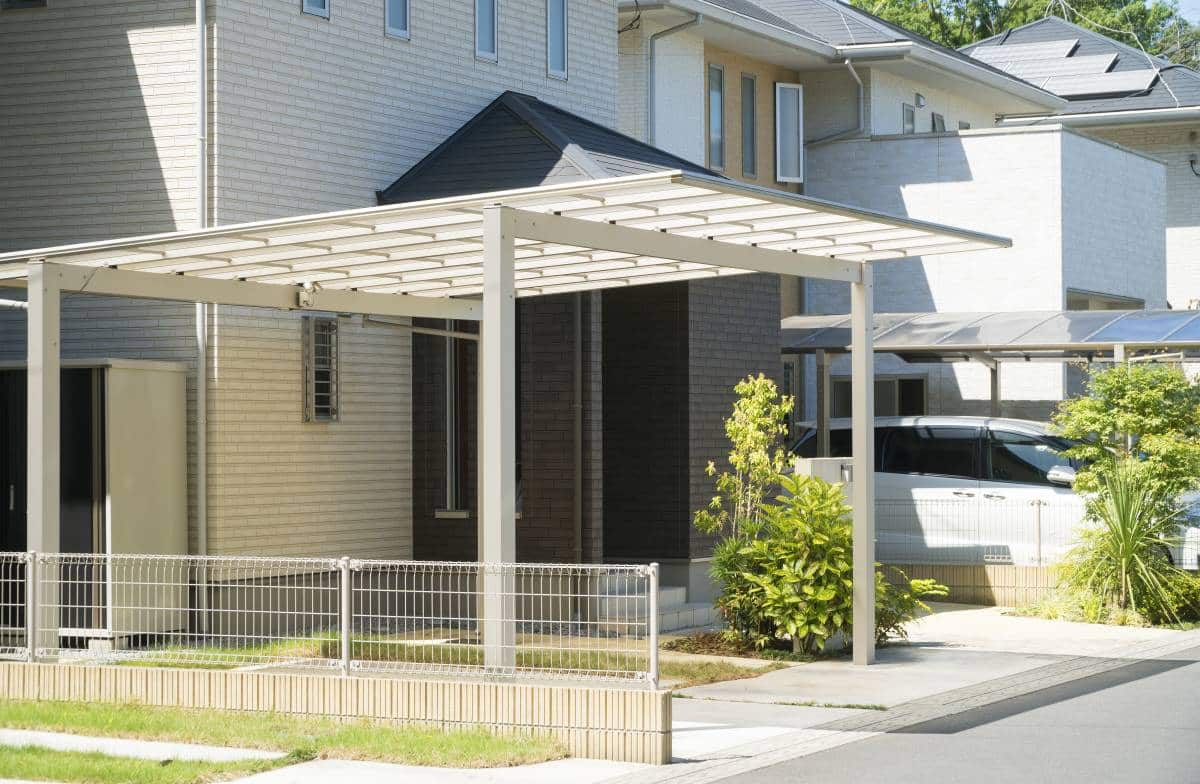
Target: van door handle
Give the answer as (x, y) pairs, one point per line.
(963, 494)
(994, 496)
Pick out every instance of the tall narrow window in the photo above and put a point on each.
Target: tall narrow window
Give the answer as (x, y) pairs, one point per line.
(789, 132)
(315, 7)
(396, 18)
(320, 369)
(937, 123)
(716, 117)
(749, 127)
(908, 119)
(485, 29)
(556, 38)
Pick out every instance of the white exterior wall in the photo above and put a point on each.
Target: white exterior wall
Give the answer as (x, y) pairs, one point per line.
(888, 92)
(1173, 145)
(680, 81)
(315, 114)
(1031, 185)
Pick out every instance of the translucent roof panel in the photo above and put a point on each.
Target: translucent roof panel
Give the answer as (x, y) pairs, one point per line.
(435, 248)
(999, 335)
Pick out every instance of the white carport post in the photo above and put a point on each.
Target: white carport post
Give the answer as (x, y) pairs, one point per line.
(497, 433)
(43, 380)
(862, 410)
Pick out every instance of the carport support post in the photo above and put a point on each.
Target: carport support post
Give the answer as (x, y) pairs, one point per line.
(498, 440)
(43, 378)
(823, 389)
(862, 488)
(994, 370)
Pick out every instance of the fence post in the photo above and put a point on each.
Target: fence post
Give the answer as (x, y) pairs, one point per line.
(1037, 528)
(347, 614)
(31, 606)
(652, 622)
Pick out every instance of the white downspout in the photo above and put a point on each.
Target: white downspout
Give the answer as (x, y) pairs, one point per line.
(201, 308)
(858, 129)
(695, 20)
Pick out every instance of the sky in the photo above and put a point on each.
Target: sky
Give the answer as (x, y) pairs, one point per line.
(1191, 10)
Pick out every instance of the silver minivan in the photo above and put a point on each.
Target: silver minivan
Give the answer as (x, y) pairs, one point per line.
(959, 489)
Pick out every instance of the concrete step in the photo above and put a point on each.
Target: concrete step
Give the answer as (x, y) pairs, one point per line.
(686, 616)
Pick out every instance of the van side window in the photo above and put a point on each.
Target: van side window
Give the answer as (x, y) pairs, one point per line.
(1016, 457)
(940, 451)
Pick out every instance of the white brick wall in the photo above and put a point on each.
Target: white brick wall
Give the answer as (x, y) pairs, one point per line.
(1040, 187)
(315, 114)
(887, 92)
(679, 87)
(1173, 145)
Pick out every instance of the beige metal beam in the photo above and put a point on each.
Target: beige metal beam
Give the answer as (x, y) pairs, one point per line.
(862, 409)
(181, 288)
(43, 409)
(658, 244)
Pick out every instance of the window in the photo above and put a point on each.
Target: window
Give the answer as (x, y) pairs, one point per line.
(1093, 300)
(556, 38)
(315, 7)
(789, 133)
(909, 119)
(396, 18)
(485, 29)
(749, 126)
(893, 397)
(320, 369)
(938, 451)
(1015, 457)
(938, 123)
(716, 117)
(13, 5)
(963, 125)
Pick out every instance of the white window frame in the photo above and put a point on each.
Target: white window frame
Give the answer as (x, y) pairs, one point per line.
(494, 55)
(566, 36)
(309, 330)
(908, 128)
(710, 141)
(391, 30)
(780, 176)
(307, 7)
(750, 133)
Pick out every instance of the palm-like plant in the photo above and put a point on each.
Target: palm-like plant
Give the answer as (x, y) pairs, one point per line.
(1123, 558)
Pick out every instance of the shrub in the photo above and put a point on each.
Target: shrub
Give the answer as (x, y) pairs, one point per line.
(895, 605)
(1123, 558)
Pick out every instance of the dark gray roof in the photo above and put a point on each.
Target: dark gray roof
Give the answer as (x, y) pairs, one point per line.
(1184, 82)
(518, 141)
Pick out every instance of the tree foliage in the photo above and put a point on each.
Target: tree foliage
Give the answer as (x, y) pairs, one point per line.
(1147, 411)
(755, 430)
(1157, 24)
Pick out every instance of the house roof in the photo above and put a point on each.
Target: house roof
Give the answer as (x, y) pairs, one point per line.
(518, 141)
(1175, 85)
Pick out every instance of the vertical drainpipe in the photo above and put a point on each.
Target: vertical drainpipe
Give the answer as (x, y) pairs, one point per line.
(201, 308)
(695, 20)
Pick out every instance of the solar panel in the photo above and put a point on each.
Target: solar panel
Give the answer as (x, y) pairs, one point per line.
(1059, 66)
(1111, 83)
(1043, 50)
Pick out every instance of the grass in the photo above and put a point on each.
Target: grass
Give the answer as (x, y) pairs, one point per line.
(34, 764)
(684, 673)
(302, 737)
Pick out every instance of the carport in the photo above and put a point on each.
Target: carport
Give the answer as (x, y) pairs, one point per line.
(469, 258)
(993, 338)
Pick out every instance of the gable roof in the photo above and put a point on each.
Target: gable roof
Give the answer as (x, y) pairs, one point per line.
(518, 141)
(1183, 83)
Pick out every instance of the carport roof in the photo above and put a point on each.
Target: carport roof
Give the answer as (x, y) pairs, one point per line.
(647, 228)
(1004, 336)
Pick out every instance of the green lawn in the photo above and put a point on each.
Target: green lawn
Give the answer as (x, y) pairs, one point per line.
(301, 736)
(34, 764)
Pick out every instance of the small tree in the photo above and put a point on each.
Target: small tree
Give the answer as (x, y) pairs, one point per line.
(755, 429)
(1147, 411)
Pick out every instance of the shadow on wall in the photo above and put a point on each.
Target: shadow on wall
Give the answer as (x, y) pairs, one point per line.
(83, 94)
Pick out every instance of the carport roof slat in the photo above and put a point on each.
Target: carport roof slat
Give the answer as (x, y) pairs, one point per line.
(435, 248)
(1003, 335)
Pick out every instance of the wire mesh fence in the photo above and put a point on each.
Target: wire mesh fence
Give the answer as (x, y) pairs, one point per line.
(985, 530)
(405, 617)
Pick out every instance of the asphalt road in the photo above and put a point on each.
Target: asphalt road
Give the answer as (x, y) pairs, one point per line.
(1138, 724)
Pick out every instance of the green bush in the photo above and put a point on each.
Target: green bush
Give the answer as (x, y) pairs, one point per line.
(896, 605)
(1122, 557)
